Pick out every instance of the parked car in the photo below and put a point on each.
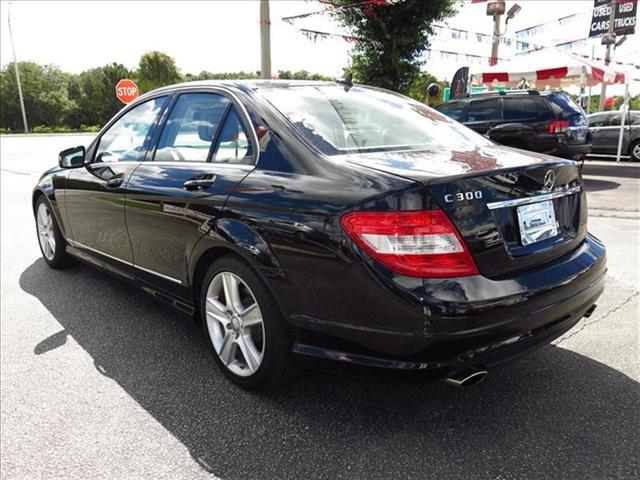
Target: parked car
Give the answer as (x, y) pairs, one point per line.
(547, 122)
(330, 221)
(605, 132)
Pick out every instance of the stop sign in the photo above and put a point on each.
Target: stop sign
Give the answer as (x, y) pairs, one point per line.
(127, 90)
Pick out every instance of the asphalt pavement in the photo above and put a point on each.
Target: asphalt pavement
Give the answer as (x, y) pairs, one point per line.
(98, 381)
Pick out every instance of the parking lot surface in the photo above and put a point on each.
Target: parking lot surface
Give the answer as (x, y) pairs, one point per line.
(100, 381)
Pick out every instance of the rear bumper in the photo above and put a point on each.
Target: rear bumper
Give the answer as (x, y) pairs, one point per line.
(466, 322)
(566, 150)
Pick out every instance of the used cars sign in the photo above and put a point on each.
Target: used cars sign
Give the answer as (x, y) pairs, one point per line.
(624, 20)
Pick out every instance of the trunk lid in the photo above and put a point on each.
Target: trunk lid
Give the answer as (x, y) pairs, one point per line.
(481, 191)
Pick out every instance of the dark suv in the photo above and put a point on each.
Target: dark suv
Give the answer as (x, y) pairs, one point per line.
(548, 122)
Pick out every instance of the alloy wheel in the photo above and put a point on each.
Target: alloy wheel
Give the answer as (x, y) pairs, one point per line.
(235, 324)
(636, 151)
(46, 234)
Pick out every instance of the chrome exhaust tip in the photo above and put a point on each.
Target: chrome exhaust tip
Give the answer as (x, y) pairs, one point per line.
(466, 378)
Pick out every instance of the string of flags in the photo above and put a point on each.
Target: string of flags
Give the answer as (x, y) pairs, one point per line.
(432, 53)
(542, 27)
(366, 7)
(460, 34)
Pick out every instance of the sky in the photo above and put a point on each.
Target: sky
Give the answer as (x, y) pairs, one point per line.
(223, 36)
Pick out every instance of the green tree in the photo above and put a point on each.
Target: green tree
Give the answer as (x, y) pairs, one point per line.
(94, 94)
(46, 97)
(155, 70)
(300, 75)
(390, 39)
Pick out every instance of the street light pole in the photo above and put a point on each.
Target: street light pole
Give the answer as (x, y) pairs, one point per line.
(15, 66)
(265, 40)
(496, 40)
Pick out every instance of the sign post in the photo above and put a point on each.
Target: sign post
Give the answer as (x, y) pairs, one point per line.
(127, 91)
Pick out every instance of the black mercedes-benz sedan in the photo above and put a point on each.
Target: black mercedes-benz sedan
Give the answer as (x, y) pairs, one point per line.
(328, 220)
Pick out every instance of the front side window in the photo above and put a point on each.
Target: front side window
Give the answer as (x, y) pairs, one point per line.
(191, 127)
(127, 139)
(484, 110)
(360, 119)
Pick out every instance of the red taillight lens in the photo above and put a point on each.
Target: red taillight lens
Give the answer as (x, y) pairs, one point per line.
(559, 126)
(417, 243)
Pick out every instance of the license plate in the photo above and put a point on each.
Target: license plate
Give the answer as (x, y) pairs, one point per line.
(537, 222)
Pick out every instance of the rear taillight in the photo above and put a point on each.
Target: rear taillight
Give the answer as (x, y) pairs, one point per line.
(416, 243)
(559, 126)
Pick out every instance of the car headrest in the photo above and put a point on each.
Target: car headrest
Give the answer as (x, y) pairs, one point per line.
(206, 119)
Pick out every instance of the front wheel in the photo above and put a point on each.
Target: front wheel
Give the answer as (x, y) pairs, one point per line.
(52, 243)
(634, 151)
(244, 329)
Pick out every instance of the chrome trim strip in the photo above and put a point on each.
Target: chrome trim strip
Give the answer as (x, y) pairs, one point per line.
(73, 243)
(537, 198)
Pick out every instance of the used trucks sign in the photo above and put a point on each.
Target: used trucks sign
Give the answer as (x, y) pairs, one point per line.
(624, 20)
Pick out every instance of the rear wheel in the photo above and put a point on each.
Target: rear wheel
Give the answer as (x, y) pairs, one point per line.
(243, 326)
(52, 243)
(634, 151)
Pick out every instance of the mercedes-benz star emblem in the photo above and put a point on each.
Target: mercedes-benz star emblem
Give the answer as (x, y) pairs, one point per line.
(549, 180)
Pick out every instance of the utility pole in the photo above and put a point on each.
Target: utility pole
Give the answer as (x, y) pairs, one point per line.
(15, 66)
(265, 40)
(496, 10)
(608, 39)
(496, 40)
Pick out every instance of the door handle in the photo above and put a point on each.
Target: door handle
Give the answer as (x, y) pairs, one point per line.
(199, 183)
(115, 182)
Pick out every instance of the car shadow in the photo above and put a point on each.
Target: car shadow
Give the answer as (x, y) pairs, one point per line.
(612, 169)
(593, 185)
(554, 414)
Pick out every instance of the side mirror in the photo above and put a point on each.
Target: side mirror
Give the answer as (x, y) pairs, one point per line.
(71, 157)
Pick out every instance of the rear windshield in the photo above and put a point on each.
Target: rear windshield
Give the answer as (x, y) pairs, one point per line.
(362, 119)
(564, 103)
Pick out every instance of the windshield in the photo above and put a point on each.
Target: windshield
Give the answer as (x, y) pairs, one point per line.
(564, 103)
(361, 119)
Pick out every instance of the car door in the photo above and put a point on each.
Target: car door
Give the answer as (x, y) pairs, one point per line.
(203, 151)
(94, 194)
(611, 134)
(483, 114)
(598, 123)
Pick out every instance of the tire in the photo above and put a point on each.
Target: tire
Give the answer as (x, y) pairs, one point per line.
(634, 151)
(52, 244)
(253, 355)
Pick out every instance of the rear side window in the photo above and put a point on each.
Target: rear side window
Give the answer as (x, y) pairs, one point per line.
(453, 110)
(520, 109)
(233, 145)
(191, 127)
(634, 119)
(484, 110)
(600, 120)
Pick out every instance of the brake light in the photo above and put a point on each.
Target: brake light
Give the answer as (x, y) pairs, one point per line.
(416, 243)
(559, 126)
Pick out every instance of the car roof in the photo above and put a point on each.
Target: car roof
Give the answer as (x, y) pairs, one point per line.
(613, 112)
(245, 85)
